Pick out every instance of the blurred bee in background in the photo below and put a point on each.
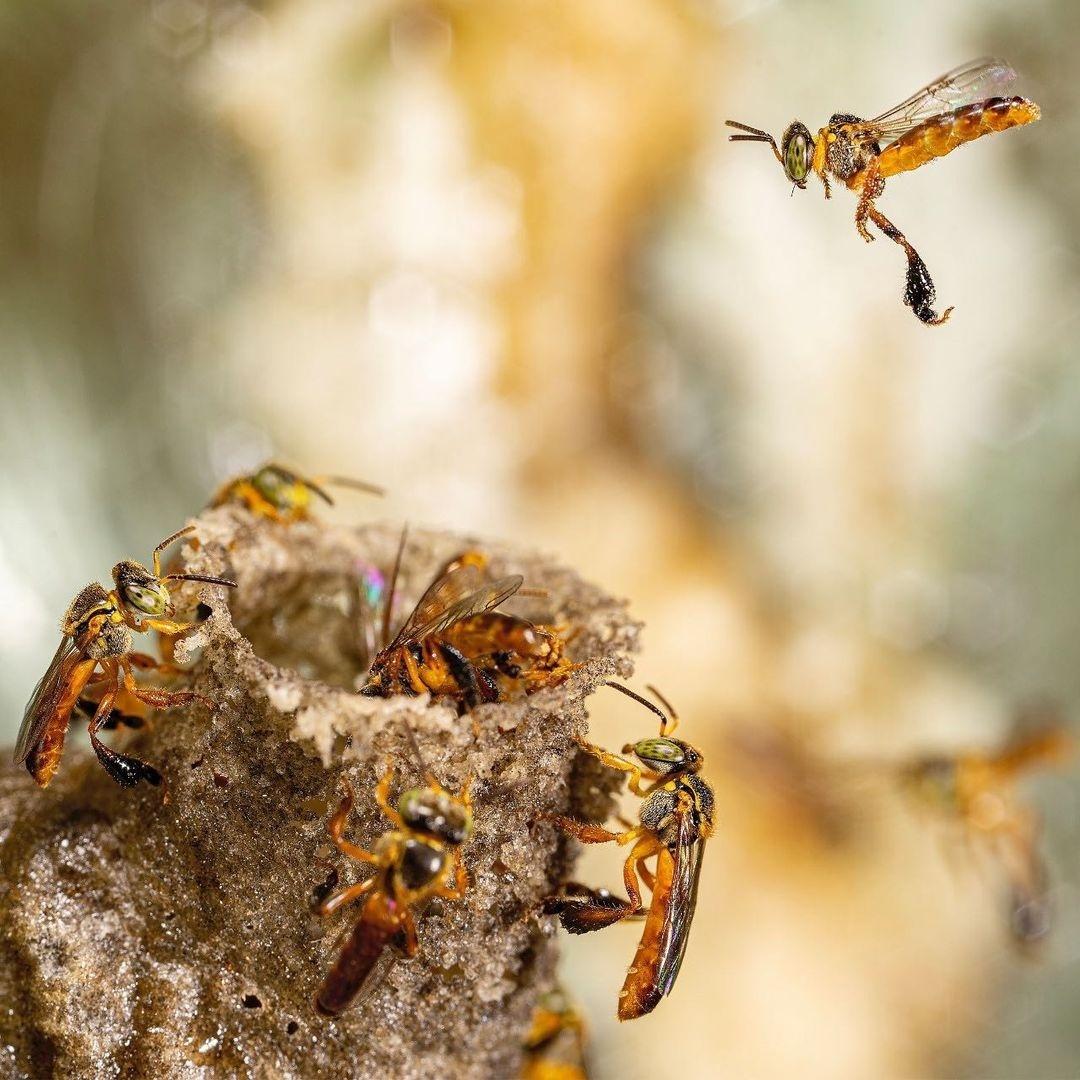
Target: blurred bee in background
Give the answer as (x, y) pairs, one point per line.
(93, 668)
(961, 106)
(455, 644)
(417, 860)
(555, 1045)
(676, 818)
(977, 792)
(280, 494)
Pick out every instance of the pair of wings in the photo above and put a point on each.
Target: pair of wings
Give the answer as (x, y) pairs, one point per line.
(682, 899)
(971, 82)
(460, 594)
(46, 696)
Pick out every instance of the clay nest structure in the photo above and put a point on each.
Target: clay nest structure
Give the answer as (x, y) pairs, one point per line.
(177, 938)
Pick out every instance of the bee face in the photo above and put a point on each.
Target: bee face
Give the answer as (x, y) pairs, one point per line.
(436, 813)
(141, 591)
(280, 489)
(797, 153)
(665, 755)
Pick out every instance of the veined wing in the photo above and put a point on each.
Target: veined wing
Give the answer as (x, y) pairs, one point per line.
(681, 903)
(457, 595)
(974, 81)
(46, 696)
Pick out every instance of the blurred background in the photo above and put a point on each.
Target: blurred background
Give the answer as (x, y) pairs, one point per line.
(499, 257)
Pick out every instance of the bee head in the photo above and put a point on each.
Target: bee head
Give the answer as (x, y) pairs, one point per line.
(140, 590)
(797, 153)
(665, 755)
(437, 813)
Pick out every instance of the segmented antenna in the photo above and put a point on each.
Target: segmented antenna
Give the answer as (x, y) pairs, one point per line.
(392, 592)
(638, 698)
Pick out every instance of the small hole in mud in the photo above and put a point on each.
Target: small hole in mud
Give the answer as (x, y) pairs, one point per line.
(292, 1027)
(220, 780)
(317, 624)
(251, 1002)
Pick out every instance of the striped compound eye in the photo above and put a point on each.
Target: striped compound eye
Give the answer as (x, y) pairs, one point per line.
(663, 753)
(797, 152)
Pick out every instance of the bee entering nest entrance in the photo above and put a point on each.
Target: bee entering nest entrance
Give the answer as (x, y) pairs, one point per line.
(208, 897)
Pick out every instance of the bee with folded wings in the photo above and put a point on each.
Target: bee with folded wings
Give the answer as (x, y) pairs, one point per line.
(94, 663)
(456, 645)
(962, 105)
(676, 818)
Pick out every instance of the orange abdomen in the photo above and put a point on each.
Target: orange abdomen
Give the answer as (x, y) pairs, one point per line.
(44, 758)
(942, 134)
(641, 991)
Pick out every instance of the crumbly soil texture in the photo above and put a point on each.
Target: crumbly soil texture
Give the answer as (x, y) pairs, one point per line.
(175, 937)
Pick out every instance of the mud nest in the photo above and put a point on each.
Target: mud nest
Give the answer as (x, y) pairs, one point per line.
(177, 939)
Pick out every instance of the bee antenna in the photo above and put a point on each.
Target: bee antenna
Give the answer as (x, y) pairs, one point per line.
(638, 698)
(391, 593)
(429, 776)
(663, 701)
(355, 485)
(207, 579)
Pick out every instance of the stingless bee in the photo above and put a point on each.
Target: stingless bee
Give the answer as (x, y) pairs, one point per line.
(416, 861)
(962, 105)
(94, 662)
(455, 644)
(676, 818)
(978, 792)
(555, 1045)
(280, 494)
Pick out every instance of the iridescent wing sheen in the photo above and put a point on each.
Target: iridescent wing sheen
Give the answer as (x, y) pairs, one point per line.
(46, 695)
(974, 81)
(457, 595)
(682, 900)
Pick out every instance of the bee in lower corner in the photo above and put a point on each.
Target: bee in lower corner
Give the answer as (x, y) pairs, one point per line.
(554, 1048)
(962, 105)
(416, 861)
(94, 664)
(675, 820)
(281, 495)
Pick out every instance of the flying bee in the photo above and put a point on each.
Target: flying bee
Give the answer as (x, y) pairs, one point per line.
(977, 792)
(94, 664)
(416, 861)
(455, 644)
(280, 494)
(676, 818)
(963, 105)
(555, 1045)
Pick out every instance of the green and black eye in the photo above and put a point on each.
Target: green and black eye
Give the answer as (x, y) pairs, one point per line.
(436, 814)
(148, 599)
(797, 153)
(662, 755)
(273, 486)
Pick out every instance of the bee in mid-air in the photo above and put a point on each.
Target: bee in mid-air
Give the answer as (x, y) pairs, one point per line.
(555, 1045)
(977, 791)
(962, 105)
(94, 663)
(414, 862)
(455, 644)
(280, 494)
(676, 819)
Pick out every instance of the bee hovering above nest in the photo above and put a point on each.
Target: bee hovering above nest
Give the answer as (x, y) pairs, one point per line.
(94, 665)
(963, 105)
(456, 645)
(280, 494)
(976, 792)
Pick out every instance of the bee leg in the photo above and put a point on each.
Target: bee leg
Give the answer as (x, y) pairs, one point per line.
(336, 828)
(145, 662)
(458, 889)
(613, 761)
(585, 833)
(346, 896)
(919, 291)
(581, 910)
(382, 796)
(646, 847)
(125, 770)
(464, 675)
(405, 941)
(873, 186)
